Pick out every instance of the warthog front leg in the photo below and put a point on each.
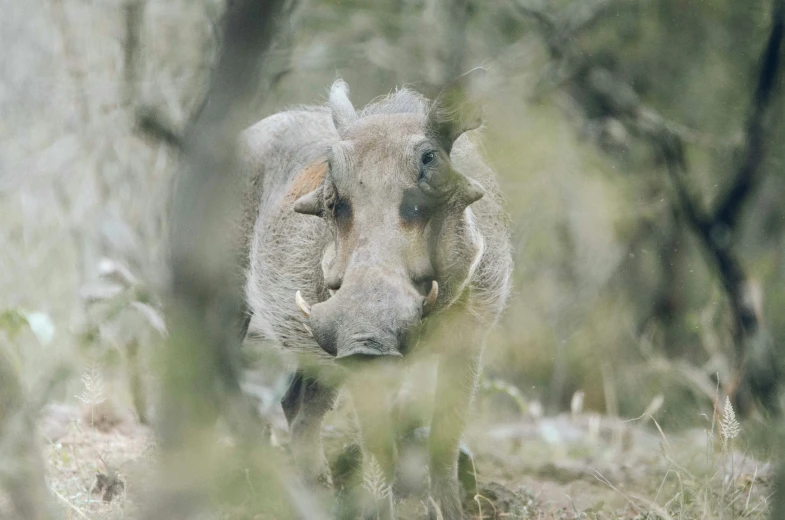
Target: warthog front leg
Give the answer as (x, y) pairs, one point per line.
(304, 405)
(458, 370)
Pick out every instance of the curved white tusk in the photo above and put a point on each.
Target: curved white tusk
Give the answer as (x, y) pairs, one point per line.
(432, 294)
(308, 329)
(332, 293)
(302, 304)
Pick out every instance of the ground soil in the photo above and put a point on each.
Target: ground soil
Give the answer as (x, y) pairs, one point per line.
(563, 467)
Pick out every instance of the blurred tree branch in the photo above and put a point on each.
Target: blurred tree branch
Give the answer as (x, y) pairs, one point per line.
(22, 473)
(72, 62)
(750, 172)
(277, 57)
(451, 47)
(204, 286)
(134, 17)
(152, 124)
(21, 464)
(714, 229)
(206, 307)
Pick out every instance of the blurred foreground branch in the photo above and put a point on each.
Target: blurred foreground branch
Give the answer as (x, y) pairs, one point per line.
(134, 16)
(206, 290)
(21, 466)
(201, 366)
(150, 123)
(73, 62)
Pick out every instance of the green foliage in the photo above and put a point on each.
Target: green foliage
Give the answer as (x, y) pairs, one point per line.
(14, 321)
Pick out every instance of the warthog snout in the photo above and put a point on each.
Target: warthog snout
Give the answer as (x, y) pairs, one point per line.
(374, 318)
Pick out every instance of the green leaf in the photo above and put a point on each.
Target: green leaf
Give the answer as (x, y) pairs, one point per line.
(41, 325)
(14, 320)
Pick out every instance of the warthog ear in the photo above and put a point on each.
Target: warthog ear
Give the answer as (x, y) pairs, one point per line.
(453, 113)
(342, 109)
(307, 188)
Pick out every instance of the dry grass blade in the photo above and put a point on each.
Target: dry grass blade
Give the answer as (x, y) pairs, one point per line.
(70, 505)
(437, 510)
(729, 427)
(374, 481)
(632, 498)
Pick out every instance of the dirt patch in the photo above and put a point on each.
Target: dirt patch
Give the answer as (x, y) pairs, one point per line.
(88, 468)
(548, 468)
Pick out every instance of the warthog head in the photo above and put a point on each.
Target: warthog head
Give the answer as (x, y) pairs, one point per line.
(390, 197)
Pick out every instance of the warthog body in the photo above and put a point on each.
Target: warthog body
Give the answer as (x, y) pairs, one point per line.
(376, 220)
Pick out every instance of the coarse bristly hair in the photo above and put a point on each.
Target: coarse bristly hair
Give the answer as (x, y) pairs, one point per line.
(276, 145)
(400, 101)
(286, 251)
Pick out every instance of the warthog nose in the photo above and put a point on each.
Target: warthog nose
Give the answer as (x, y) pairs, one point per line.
(364, 347)
(363, 320)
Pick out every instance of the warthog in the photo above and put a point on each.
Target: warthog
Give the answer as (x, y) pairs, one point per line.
(372, 234)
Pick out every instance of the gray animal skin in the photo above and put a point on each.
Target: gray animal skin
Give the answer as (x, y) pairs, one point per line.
(369, 236)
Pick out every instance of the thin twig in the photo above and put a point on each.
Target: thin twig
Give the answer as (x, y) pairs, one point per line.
(69, 504)
(750, 172)
(150, 123)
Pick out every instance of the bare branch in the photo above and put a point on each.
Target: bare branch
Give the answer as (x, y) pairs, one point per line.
(22, 470)
(750, 171)
(206, 307)
(71, 59)
(134, 16)
(712, 228)
(544, 18)
(150, 123)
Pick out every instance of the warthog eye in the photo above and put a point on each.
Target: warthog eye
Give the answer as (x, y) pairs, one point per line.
(330, 196)
(428, 157)
(339, 207)
(342, 210)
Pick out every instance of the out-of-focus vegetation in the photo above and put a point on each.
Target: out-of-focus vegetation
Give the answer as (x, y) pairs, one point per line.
(620, 129)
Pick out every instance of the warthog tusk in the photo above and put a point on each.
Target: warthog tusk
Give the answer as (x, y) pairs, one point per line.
(432, 294)
(308, 329)
(332, 293)
(302, 304)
